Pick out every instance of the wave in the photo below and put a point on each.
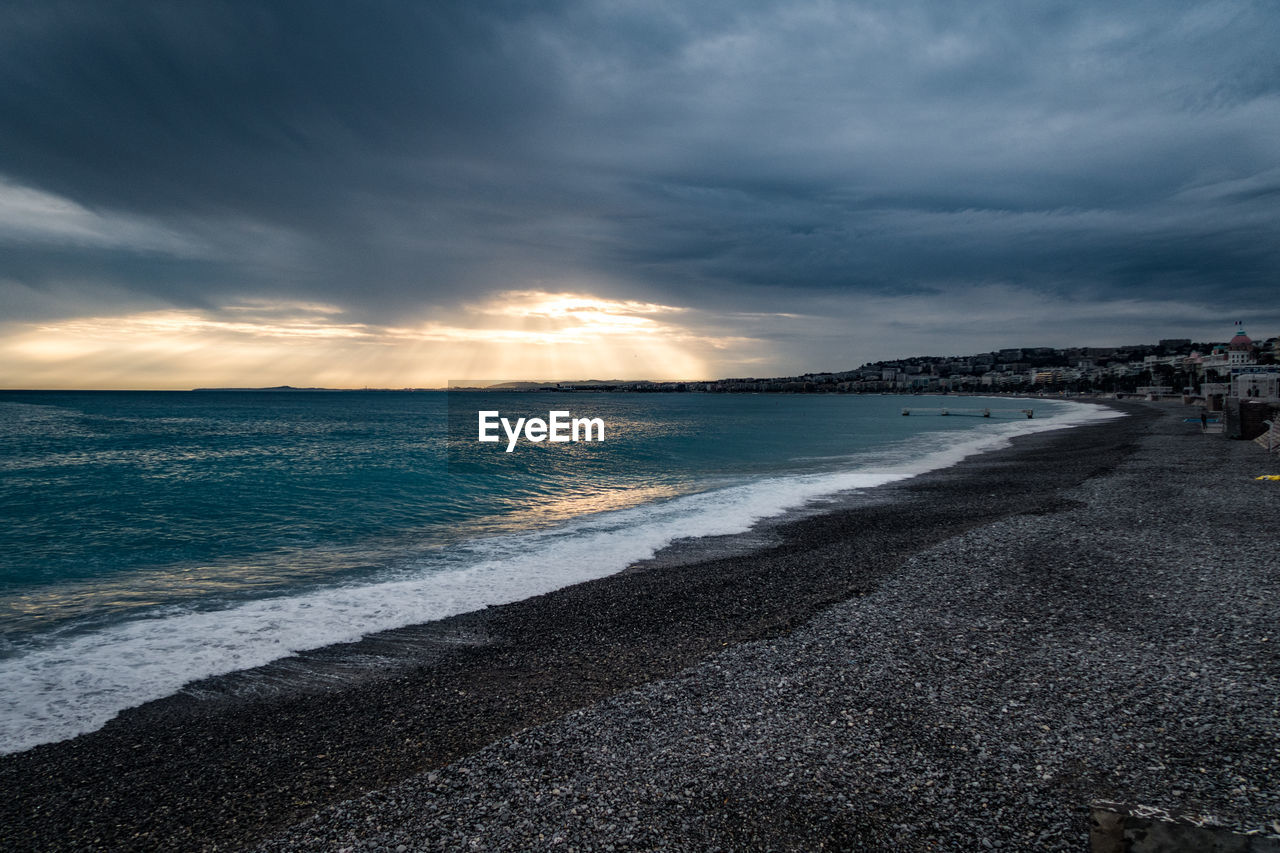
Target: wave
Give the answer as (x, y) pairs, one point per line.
(63, 686)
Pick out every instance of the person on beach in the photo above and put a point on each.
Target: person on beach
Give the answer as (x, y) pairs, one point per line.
(1204, 420)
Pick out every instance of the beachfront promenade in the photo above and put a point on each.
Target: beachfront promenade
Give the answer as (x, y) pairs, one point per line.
(962, 662)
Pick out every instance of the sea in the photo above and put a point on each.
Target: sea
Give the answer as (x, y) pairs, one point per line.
(151, 539)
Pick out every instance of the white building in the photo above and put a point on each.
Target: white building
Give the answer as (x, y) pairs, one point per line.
(1256, 383)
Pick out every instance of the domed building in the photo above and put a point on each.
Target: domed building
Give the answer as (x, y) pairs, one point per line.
(1240, 350)
(1247, 380)
(1222, 357)
(1231, 372)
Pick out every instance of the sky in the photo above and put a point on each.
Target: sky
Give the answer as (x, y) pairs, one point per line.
(401, 194)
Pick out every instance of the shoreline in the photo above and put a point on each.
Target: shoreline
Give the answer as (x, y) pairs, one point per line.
(1116, 641)
(236, 757)
(68, 678)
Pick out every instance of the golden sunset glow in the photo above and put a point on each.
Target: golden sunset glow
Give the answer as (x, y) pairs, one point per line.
(518, 334)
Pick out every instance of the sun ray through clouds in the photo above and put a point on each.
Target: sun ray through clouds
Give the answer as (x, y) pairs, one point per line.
(521, 334)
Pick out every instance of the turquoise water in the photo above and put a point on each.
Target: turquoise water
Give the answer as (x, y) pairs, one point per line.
(152, 538)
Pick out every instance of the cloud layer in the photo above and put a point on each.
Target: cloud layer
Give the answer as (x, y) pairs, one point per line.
(853, 163)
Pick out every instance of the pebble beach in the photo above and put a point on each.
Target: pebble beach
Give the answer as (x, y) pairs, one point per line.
(961, 661)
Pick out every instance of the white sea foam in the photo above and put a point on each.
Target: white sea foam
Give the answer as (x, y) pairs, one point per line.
(60, 689)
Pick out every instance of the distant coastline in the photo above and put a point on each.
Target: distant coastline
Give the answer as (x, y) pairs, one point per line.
(1125, 369)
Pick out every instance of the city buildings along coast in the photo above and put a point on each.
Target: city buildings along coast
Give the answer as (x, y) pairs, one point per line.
(1236, 383)
(1200, 372)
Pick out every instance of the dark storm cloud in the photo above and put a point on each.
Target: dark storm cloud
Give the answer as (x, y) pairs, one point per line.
(395, 156)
